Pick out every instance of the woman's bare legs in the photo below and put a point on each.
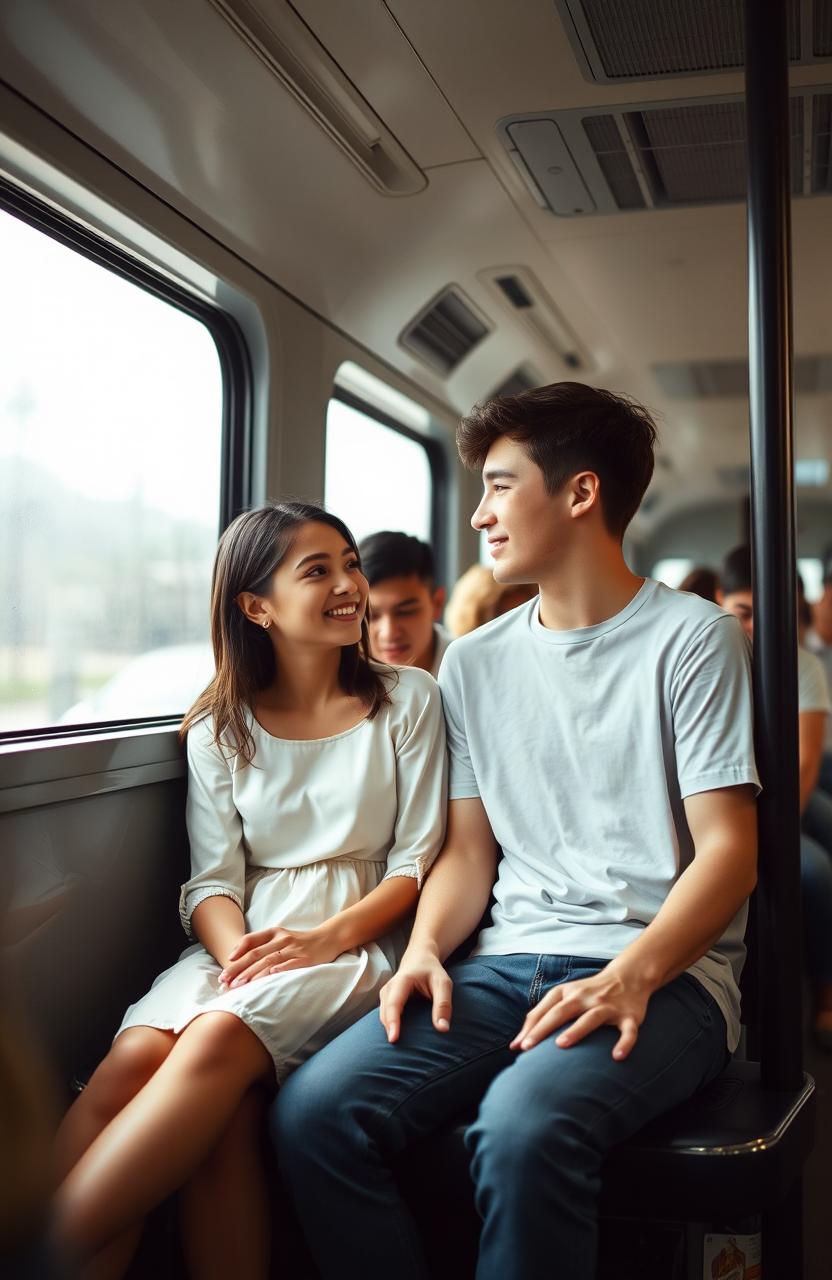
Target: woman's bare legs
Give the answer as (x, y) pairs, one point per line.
(133, 1059)
(225, 1208)
(162, 1135)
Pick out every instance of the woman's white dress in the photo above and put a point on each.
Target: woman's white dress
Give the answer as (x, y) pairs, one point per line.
(305, 831)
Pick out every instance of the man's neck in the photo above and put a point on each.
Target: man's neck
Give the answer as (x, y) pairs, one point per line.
(587, 590)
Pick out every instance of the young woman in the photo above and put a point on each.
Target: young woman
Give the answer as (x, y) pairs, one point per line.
(316, 803)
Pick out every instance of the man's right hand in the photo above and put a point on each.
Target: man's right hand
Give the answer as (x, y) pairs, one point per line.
(421, 972)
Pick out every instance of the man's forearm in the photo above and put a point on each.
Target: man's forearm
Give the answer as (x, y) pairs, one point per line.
(453, 901)
(695, 914)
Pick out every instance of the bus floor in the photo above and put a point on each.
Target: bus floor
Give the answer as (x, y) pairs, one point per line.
(160, 1257)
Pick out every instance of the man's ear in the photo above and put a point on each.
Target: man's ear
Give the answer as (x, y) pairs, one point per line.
(720, 597)
(584, 495)
(439, 596)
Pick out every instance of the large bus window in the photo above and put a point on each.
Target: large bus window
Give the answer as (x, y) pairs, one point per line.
(377, 477)
(111, 416)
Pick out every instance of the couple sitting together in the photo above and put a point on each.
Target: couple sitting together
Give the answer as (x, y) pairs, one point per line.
(600, 783)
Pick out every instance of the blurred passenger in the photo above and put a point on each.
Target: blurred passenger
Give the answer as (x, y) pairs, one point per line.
(405, 602)
(822, 610)
(26, 1123)
(815, 857)
(478, 598)
(701, 581)
(819, 640)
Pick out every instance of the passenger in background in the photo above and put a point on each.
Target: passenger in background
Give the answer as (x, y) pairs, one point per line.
(821, 630)
(405, 602)
(478, 597)
(819, 641)
(701, 581)
(316, 804)
(816, 820)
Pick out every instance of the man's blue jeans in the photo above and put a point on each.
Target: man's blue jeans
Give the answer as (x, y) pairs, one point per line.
(546, 1119)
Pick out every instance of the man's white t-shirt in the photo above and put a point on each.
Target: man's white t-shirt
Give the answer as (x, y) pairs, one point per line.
(582, 746)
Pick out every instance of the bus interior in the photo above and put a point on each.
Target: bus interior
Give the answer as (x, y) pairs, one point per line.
(254, 249)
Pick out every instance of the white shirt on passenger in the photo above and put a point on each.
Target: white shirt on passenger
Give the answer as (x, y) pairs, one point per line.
(813, 686)
(582, 746)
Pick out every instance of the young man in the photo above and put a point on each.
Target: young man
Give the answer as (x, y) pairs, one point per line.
(405, 603)
(813, 708)
(602, 770)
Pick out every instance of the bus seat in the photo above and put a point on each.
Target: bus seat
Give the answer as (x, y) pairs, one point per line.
(734, 1150)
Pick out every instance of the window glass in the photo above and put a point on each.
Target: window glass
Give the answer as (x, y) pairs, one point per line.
(376, 477)
(671, 571)
(811, 571)
(110, 458)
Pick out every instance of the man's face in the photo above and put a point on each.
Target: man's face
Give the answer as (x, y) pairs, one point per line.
(527, 528)
(402, 614)
(740, 603)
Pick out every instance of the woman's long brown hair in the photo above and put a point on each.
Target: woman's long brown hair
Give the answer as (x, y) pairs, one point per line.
(250, 550)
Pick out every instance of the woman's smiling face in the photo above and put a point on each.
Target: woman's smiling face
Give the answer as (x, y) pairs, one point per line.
(318, 593)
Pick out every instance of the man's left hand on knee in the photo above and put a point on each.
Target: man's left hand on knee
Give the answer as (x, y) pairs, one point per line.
(609, 998)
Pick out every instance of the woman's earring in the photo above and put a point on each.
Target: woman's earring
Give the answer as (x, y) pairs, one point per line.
(265, 623)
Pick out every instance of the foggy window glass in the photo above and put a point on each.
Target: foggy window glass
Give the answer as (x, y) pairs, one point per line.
(672, 571)
(376, 478)
(110, 455)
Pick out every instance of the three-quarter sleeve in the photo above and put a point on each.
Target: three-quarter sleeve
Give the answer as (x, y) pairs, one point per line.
(421, 777)
(215, 829)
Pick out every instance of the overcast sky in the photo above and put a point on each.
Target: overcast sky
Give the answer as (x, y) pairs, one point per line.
(124, 391)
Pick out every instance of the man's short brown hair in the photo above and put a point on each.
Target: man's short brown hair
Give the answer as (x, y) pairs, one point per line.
(568, 427)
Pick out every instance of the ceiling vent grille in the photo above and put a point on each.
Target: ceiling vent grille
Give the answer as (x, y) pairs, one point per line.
(660, 155)
(443, 334)
(728, 379)
(618, 40)
(523, 379)
(520, 289)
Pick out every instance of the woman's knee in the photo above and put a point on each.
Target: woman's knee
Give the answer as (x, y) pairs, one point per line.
(223, 1043)
(135, 1056)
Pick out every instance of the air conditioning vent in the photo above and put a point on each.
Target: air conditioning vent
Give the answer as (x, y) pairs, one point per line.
(514, 291)
(660, 155)
(523, 379)
(520, 289)
(445, 332)
(607, 142)
(617, 40)
(728, 379)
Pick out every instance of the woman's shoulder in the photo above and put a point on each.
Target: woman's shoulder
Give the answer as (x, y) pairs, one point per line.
(410, 691)
(406, 683)
(202, 745)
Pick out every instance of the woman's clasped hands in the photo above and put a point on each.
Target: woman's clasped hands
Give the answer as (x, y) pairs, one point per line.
(276, 950)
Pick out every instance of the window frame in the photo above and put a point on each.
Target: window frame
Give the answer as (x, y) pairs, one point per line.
(236, 478)
(437, 465)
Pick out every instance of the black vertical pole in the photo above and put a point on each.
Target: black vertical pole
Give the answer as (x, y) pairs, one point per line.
(773, 539)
